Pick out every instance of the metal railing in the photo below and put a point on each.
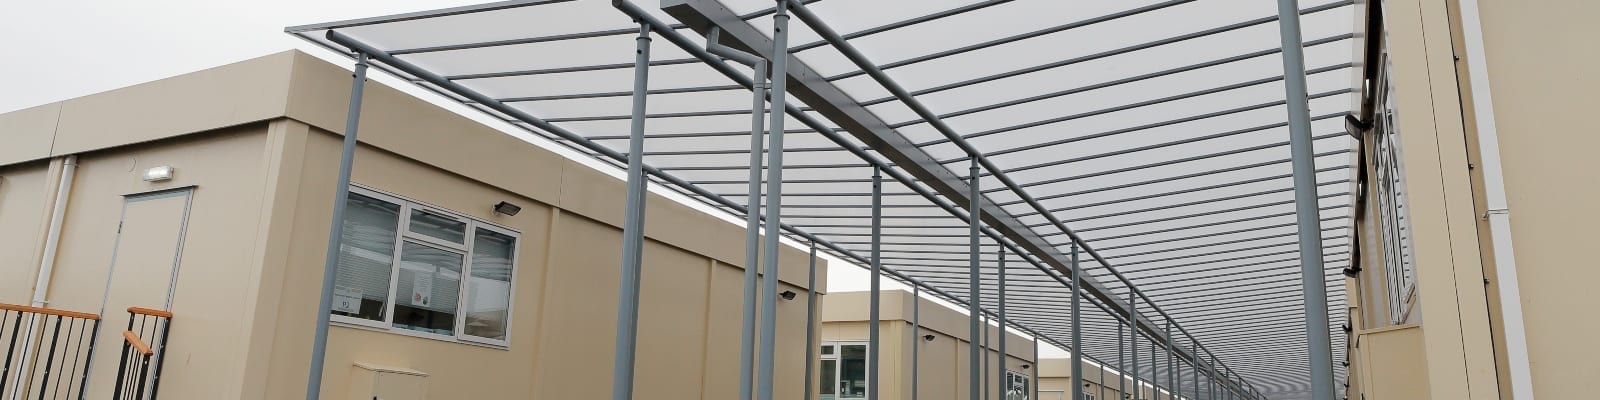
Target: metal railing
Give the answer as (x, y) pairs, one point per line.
(139, 370)
(47, 352)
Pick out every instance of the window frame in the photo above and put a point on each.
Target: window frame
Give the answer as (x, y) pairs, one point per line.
(838, 370)
(404, 234)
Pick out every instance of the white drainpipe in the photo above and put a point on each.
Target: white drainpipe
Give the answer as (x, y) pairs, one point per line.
(1499, 213)
(52, 240)
(47, 266)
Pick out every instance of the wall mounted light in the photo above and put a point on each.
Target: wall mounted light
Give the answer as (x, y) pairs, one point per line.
(158, 174)
(507, 208)
(927, 338)
(787, 295)
(1025, 366)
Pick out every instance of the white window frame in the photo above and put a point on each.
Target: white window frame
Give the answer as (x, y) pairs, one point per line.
(404, 234)
(838, 363)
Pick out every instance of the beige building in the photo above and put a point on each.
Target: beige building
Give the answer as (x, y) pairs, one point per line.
(438, 295)
(941, 342)
(1476, 213)
(1099, 382)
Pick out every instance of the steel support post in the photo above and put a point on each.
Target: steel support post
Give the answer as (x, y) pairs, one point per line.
(973, 311)
(1001, 367)
(1077, 329)
(1172, 373)
(874, 293)
(752, 233)
(811, 322)
(1194, 370)
(916, 340)
(1033, 377)
(1155, 371)
(1122, 363)
(632, 229)
(1301, 151)
(341, 196)
(986, 348)
(1133, 343)
(774, 201)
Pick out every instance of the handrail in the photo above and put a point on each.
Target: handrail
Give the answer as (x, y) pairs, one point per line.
(150, 312)
(49, 311)
(133, 340)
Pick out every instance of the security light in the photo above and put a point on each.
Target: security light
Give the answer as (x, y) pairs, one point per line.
(1025, 366)
(507, 208)
(927, 338)
(158, 174)
(1354, 126)
(787, 294)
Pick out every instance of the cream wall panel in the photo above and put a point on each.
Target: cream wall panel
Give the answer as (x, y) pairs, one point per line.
(1451, 302)
(1541, 67)
(229, 95)
(25, 198)
(28, 133)
(400, 123)
(204, 355)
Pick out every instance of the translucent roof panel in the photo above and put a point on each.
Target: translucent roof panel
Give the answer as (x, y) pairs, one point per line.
(1152, 132)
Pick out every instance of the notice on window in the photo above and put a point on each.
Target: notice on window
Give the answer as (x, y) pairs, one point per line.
(422, 291)
(347, 299)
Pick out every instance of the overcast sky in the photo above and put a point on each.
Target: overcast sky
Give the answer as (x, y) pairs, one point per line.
(59, 49)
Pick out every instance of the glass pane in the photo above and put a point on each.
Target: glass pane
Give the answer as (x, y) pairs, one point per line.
(439, 226)
(489, 303)
(361, 288)
(827, 350)
(828, 374)
(428, 289)
(852, 371)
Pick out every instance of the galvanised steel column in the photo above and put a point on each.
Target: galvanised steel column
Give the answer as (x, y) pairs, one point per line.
(976, 215)
(1133, 342)
(873, 293)
(1033, 377)
(916, 339)
(1122, 364)
(1173, 386)
(1301, 151)
(632, 230)
(1077, 331)
(1194, 347)
(811, 322)
(752, 231)
(774, 209)
(341, 196)
(1155, 371)
(986, 348)
(1002, 385)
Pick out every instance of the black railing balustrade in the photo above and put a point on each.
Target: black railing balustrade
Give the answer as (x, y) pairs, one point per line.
(47, 352)
(143, 347)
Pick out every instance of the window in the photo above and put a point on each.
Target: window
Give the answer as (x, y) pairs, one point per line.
(1016, 386)
(432, 272)
(1388, 181)
(844, 371)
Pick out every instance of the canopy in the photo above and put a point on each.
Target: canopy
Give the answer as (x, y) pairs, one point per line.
(1150, 136)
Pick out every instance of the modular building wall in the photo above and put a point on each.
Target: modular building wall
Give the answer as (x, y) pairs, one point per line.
(943, 364)
(234, 243)
(1055, 381)
(1447, 336)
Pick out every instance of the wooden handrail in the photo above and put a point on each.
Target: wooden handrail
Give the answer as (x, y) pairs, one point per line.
(133, 340)
(150, 312)
(50, 311)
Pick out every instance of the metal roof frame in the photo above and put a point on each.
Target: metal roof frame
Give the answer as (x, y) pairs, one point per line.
(1015, 215)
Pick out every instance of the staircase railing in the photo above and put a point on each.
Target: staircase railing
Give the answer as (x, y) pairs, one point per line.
(143, 348)
(47, 352)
